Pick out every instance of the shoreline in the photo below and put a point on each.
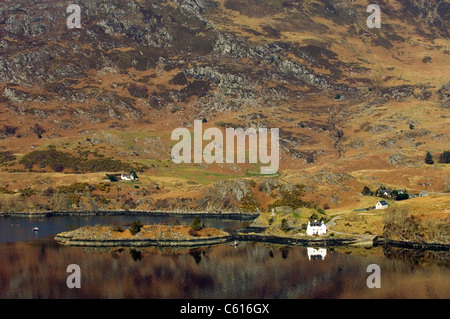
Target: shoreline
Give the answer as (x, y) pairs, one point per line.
(141, 242)
(241, 235)
(412, 245)
(132, 242)
(327, 241)
(324, 242)
(231, 215)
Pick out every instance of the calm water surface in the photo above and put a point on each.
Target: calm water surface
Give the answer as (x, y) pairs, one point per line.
(13, 229)
(35, 267)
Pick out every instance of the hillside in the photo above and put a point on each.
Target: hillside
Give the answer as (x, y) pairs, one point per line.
(355, 106)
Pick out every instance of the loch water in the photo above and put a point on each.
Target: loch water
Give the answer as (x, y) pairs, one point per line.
(33, 265)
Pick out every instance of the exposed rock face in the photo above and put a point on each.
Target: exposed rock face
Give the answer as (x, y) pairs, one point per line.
(401, 159)
(310, 68)
(224, 195)
(184, 34)
(328, 177)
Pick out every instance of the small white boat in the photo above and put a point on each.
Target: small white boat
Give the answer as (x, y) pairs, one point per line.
(35, 229)
(235, 244)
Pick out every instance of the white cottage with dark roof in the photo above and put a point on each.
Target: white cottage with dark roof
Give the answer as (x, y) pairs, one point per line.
(127, 177)
(316, 228)
(382, 204)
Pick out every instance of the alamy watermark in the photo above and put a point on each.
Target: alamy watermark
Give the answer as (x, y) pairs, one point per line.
(214, 151)
(374, 20)
(74, 279)
(74, 19)
(374, 279)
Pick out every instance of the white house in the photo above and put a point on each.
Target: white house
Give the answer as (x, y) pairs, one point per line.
(382, 204)
(314, 253)
(316, 228)
(127, 177)
(386, 192)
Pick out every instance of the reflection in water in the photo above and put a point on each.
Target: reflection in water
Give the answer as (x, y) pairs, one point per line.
(314, 253)
(418, 257)
(253, 270)
(135, 254)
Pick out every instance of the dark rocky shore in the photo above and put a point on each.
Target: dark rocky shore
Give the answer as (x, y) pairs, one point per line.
(41, 214)
(140, 242)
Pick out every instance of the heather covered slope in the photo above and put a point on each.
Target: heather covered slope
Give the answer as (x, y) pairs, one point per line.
(355, 106)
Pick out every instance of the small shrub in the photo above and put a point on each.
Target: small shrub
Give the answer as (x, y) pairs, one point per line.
(284, 225)
(249, 203)
(135, 227)
(366, 191)
(429, 159)
(104, 187)
(57, 167)
(193, 232)
(48, 192)
(139, 91)
(37, 129)
(313, 217)
(117, 229)
(196, 224)
(179, 79)
(444, 157)
(73, 199)
(26, 192)
(112, 178)
(5, 191)
(6, 157)
(129, 203)
(102, 200)
(402, 196)
(8, 130)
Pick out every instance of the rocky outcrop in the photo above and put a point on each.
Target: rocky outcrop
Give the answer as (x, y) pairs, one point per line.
(224, 195)
(402, 159)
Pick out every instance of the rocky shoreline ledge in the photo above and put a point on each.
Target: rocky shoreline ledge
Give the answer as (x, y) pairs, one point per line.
(148, 235)
(237, 215)
(411, 244)
(184, 236)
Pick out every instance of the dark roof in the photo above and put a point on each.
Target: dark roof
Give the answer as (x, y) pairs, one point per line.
(383, 202)
(316, 223)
